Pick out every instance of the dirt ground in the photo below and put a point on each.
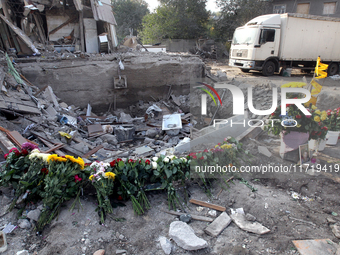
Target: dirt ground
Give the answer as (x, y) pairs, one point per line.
(270, 201)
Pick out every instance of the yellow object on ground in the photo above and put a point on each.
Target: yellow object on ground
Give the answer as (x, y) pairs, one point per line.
(320, 69)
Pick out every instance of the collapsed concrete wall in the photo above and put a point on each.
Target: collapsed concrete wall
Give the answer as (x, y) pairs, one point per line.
(81, 81)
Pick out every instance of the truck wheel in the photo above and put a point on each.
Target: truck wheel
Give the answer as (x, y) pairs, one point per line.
(268, 68)
(333, 69)
(245, 70)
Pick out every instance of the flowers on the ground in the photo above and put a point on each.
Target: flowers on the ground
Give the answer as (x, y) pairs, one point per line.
(295, 120)
(333, 120)
(29, 146)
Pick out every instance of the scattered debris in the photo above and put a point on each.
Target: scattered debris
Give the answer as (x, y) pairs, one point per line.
(316, 247)
(165, 244)
(212, 206)
(254, 227)
(185, 237)
(194, 217)
(218, 225)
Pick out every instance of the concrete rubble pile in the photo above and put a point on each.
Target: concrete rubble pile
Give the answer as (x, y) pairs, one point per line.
(37, 115)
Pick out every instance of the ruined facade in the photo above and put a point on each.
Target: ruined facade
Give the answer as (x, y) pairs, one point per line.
(27, 27)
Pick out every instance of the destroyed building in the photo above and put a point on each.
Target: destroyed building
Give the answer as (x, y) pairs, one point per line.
(27, 27)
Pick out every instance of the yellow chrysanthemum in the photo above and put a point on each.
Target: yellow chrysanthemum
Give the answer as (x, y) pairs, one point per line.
(110, 175)
(323, 117)
(318, 112)
(317, 118)
(324, 113)
(61, 159)
(314, 107)
(71, 158)
(52, 157)
(81, 162)
(226, 146)
(298, 125)
(91, 177)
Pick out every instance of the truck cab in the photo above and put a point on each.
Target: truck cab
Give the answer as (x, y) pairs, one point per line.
(255, 46)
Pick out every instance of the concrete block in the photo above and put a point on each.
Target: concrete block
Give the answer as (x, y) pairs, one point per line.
(218, 225)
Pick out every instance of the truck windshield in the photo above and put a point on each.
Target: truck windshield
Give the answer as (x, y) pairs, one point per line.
(245, 36)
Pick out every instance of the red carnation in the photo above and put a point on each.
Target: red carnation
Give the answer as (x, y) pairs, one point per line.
(120, 198)
(24, 152)
(113, 163)
(44, 170)
(13, 149)
(205, 150)
(131, 161)
(6, 155)
(119, 159)
(148, 162)
(298, 116)
(202, 158)
(273, 114)
(194, 157)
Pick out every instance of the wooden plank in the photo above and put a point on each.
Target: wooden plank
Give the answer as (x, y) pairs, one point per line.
(195, 217)
(92, 151)
(40, 90)
(5, 144)
(50, 145)
(205, 204)
(16, 137)
(21, 34)
(58, 146)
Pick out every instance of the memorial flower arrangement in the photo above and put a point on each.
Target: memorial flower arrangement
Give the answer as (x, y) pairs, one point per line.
(54, 179)
(333, 120)
(295, 120)
(102, 178)
(64, 176)
(17, 164)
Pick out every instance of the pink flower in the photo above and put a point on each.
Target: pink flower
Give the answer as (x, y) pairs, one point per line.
(6, 155)
(77, 178)
(13, 149)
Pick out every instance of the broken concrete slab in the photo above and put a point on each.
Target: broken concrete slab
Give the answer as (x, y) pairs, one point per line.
(111, 139)
(143, 150)
(253, 227)
(263, 150)
(218, 225)
(316, 247)
(185, 237)
(165, 244)
(124, 133)
(336, 229)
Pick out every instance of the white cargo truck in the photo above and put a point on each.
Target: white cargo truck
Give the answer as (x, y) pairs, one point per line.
(288, 40)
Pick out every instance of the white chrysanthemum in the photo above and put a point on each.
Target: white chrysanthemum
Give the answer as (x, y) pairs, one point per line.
(155, 159)
(166, 160)
(154, 165)
(184, 159)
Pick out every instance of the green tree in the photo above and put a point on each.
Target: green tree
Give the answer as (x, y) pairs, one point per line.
(235, 13)
(176, 19)
(129, 15)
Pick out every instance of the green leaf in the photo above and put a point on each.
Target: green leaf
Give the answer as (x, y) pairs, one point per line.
(155, 172)
(174, 170)
(168, 173)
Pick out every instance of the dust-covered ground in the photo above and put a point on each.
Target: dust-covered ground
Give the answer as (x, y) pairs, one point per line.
(268, 197)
